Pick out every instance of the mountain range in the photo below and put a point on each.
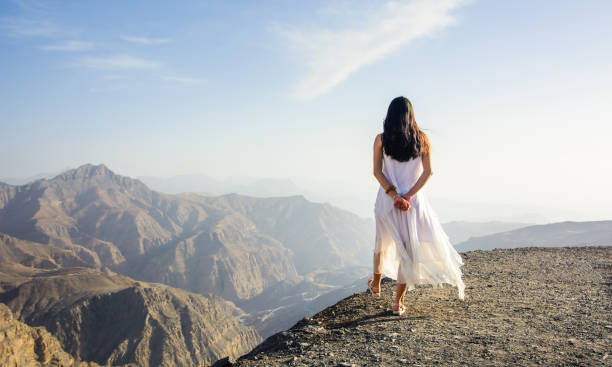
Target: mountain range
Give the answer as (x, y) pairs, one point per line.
(460, 231)
(89, 237)
(597, 233)
(184, 279)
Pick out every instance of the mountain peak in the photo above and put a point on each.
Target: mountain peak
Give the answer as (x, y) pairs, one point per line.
(86, 171)
(101, 177)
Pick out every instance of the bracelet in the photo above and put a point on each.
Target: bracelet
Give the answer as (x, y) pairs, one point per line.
(390, 188)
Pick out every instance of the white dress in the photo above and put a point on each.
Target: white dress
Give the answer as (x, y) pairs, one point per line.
(414, 248)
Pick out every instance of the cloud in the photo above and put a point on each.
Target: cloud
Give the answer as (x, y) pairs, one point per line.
(332, 55)
(145, 40)
(68, 46)
(117, 62)
(182, 79)
(30, 28)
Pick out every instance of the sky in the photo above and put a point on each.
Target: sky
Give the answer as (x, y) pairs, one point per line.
(514, 95)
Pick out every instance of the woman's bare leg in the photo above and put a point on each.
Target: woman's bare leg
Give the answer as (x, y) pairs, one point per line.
(400, 288)
(400, 291)
(377, 276)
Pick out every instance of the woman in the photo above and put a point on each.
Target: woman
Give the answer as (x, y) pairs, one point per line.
(411, 245)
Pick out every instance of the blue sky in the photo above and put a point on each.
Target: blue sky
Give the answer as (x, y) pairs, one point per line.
(514, 94)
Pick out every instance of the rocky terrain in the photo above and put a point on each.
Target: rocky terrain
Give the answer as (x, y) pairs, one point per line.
(523, 307)
(249, 251)
(111, 319)
(320, 236)
(22, 345)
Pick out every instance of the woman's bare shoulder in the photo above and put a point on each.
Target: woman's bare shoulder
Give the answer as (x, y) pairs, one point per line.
(378, 142)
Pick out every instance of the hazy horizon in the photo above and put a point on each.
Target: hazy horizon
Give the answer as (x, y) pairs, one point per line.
(513, 95)
(447, 209)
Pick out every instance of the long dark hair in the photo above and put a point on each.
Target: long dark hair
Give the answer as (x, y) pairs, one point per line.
(402, 139)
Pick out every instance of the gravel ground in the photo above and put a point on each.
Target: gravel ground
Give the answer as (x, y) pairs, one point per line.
(523, 307)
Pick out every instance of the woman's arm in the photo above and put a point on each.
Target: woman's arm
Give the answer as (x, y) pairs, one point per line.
(378, 164)
(380, 176)
(427, 172)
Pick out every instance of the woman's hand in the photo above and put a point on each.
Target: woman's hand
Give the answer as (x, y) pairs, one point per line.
(408, 197)
(401, 203)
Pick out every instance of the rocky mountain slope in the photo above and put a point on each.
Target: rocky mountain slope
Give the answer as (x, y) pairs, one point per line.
(112, 319)
(523, 307)
(319, 235)
(549, 235)
(19, 259)
(22, 345)
(270, 254)
(114, 219)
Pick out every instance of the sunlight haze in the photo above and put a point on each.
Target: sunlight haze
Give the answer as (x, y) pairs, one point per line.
(514, 96)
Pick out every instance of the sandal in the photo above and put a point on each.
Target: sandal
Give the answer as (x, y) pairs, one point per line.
(371, 289)
(398, 308)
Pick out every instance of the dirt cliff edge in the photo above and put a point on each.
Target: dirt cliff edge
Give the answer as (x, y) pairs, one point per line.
(526, 306)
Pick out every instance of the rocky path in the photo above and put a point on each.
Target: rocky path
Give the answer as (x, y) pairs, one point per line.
(523, 307)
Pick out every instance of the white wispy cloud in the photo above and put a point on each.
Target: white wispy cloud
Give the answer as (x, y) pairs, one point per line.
(145, 40)
(117, 62)
(332, 55)
(17, 27)
(68, 46)
(182, 79)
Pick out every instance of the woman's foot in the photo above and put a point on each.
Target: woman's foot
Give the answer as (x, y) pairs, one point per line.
(399, 308)
(373, 289)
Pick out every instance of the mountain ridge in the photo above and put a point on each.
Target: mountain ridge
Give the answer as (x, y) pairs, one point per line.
(23, 345)
(567, 233)
(111, 319)
(235, 246)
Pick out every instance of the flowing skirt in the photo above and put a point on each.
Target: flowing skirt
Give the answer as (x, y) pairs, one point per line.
(413, 247)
